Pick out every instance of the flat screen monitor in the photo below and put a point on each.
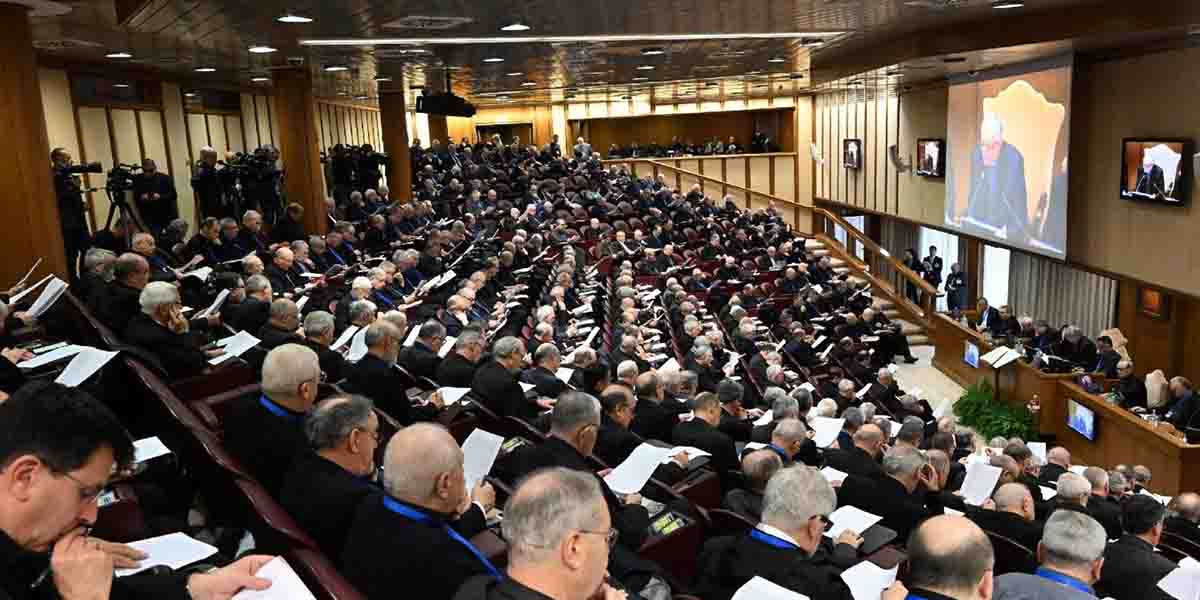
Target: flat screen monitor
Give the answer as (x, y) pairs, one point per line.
(1156, 170)
(971, 355)
(931, 158)
(852, 155)
(1081, 420)
(1006, 180)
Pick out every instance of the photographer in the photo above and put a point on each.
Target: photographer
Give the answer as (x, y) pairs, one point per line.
(154, 195)
(208, 188)
(70, 206)
(342, 167)
(369, 162)
(259, 179)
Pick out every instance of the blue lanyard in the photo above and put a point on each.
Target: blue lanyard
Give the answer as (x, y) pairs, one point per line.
(780, 452)
(914, 597)
(420, 517)
(384, 299)
(278, 410)
(339, 258)
(771, 540)
(1065, 580)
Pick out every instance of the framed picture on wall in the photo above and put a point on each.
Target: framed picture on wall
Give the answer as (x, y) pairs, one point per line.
(852, 153)
(1154, 303)
(931, 157)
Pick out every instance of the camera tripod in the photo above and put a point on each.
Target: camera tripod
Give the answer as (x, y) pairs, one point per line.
(118, 203)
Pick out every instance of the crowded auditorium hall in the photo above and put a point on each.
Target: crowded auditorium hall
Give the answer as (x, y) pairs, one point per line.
(687, 300)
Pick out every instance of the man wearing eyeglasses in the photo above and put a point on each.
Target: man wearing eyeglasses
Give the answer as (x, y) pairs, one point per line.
(418, 532)
(59, 449)
(782, 548)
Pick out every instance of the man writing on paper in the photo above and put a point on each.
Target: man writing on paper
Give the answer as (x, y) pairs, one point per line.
(998, 193)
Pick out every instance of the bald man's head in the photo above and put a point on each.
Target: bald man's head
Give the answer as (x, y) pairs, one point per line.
(758, 467)
(1014, 498)
(423, 465)
(951, 556)
(870, 438)
(1059, 456)
(1186, 506)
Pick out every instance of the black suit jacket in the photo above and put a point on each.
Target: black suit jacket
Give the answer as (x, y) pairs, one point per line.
(265, 443)
(727, 563)
(993, 320)
(332, 363)
(1106, 362)
(1153, 184)
(614, 443)
(853, 461)
(281, 281)
(379, 380)
(116, 305)
(500, 392)
(1108, 514)
(419, 360)
(654, 420)
(1050, 473)
(179, 354)
(1009, 525)
(544, 381)
(251, 315)
(885, 496)
(747, 503)
(386, 552)
(322, 497)
(1132, 570)
(700, 434)
(1184, 529)
(272, 337)
(1133, 392)
(455, 371)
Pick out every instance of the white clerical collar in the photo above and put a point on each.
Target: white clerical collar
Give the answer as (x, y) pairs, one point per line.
(779, 533)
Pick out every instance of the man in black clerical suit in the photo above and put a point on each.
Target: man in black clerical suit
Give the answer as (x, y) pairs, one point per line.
(1183, 514)
(655, 415)
(894, 494)
(280, 274)
(1106, 358)
(319, 335)
(574, 426)
(496, 384)
(702, 432)
(546, 359)
(421, 359)
(417, 533)
(757, 468)
(1150, 179)
(154, 195)
(326, 483)
(376, 377)
(998, 194)
(783, 547)
(1132, 566)
(265, 431)
(1058, 461)
(615, 442)
(281, 326)
(1013, 518)
(255, 310)
(458, 369)
(862, 458)
(1131, 387)
(161, 329)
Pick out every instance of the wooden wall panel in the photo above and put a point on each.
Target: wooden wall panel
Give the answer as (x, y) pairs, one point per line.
(233, 130)
(180, 151)
(760, 174)
(197, 128)
(154, 145)
(249, 125)
(125, 135)
(890, 172)
(272, 120)
(785, 177)
(95, 145)
(60, 114)
(697, 127)
(216, 134)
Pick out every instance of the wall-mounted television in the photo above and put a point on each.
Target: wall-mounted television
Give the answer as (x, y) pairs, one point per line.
(852, 153)
(1081, 420)
(931, 157)
(971, 354)
(1157, 170)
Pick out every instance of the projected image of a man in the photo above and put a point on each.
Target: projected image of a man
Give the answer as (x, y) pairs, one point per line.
(998, 194)
(1150, 178)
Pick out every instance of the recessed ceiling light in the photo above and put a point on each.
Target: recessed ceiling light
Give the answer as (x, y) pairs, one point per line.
(206, 69)
(515, 74)
(776, 59)
(502, 98)
(640, 78)
(382, 79)
(260, 79)
(120, 85)
(529, 83)
(293, 18)
(1002, 4)
(261, 49)
(653, 51)
(515, 26)
(343, 93)
(493, 59)
(118, 55)
(336, 68)
(191, 94)
(856, 82)
(362, 97)
(645, 67)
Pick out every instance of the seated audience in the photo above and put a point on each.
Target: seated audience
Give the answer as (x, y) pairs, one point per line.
(318, 336)
(862, 458)
(702, 431)
(1071, 557)
(458, 369)
(376, 377)
(893, 495)
(496, 384)
(1014, 516)
(161, 330)
(757, 468)
(950, 558)
(282, 325)
(1183, 514)
(1132, 567)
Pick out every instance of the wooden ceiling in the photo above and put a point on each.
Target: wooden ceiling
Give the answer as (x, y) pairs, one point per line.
(178, 36)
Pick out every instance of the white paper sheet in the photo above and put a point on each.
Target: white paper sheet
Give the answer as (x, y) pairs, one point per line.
(825, 430)
(1048, 492)
(301, 302)
(980, 481)
(149, 448)
(808, 386)
(215, 306)
(25, 292)
(752, 446)
(447, 345)
(863, 392)
(894, 428)
(285, 584)
(951, 512)
(450, 395)
(345, 337)
(852, 518)
(1181, 584)
(358, 346)
(761, 589)
(51, 356)
(1078, 469)
(1039, 451)
(692, 453)
(525, 387)
(173, 550)
(237, 346)
(84, 365)
(412, 336)
(50, 294)
(479, 454)
(202, 273)
(631, 475)
(867, 581)
(833, 475)
(29, 272)
(764, 419)
(564, 374)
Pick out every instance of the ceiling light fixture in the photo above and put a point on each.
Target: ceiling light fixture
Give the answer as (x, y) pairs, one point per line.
(515, 74)
(653, 51)
(120, 85)
(260, 79)
(529, 83)
(640, 78)
(362, 97)
(382, 79)
(261, 49)
(206, 69)
(645, 67)
(293, 18)
(567, 39)
(191, 95)
(776, 59)
(118, 55)
(336, 68)
(493, 59)
(515, 26)
(1003, 4)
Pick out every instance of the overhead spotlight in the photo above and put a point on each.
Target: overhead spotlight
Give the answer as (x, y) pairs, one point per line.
(120, 85)
(529, 83)
(191, 95)
(776, 59)
(856, 82)
(261, 49)
(206, 69)
(653, 51)
(362, 97)
(1003, 4)
(645, 67)
(515, 74)
(336, 68)
(382, 79)
(515, 26)
(118, 55)
(493, 59)
(640, 78)
(260, 79)
(293, 18)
